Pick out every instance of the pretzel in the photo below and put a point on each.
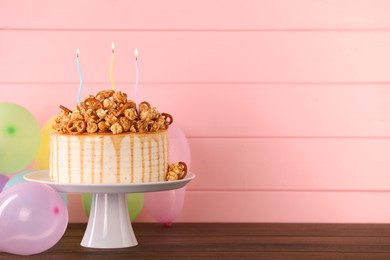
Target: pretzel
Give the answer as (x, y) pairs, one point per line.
(167, 118)
(92, 103)
(104, 94)
(183, 174)
(65, 109)
(144, 105)
(76, 126)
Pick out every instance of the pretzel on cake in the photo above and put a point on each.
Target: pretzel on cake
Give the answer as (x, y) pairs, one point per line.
(167, 118)
(76, 126)
(92, 103)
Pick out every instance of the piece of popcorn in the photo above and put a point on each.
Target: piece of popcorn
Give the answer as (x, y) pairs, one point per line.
(145, 115)
(103, 126)
(120, 97)
(171, 176)
(101, 113)
(109, 104)
(131, 113)
(111, 119)
(142, 126)
(125, 123)
(76, 115)
(116, 128)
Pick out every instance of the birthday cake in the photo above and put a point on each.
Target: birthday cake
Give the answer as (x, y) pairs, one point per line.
(107, 139)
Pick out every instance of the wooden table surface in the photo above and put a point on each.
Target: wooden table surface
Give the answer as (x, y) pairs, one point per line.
(234, 241)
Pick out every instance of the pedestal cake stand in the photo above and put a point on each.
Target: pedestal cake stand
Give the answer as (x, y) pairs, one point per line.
(109, 224)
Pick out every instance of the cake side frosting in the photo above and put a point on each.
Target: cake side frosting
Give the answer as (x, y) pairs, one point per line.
(109, 159)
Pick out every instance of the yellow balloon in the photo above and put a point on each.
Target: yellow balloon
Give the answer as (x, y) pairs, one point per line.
(43, 156)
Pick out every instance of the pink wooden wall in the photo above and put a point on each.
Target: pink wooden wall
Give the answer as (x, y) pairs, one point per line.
(286, 103)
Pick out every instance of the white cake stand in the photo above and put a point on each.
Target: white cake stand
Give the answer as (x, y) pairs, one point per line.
(109, 224)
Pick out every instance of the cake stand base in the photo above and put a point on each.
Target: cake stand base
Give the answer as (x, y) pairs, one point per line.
(109, 223)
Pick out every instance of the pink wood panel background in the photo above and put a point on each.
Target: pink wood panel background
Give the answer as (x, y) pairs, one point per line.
(285, 103)
(196, 15)
(197, 57)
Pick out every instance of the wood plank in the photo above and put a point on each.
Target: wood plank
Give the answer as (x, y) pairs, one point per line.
(232, 15)
(273, 207)
(238, 110)
(196, 57)
(216, 241)
(260, 229)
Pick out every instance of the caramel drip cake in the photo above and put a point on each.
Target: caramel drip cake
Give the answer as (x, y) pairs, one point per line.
(107, 139)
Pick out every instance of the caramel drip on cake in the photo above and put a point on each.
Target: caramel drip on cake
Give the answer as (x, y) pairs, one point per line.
(164, 156)
(93, 162)
(150, 160)
(117, 145)
(69, 164)
(57, 154)
(81, 161)
(132, 158)
(158, 158)
(101, 161)
(142, 156)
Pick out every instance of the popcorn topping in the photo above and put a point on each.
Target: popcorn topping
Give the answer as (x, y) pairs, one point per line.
(176, 171)
(110, 111)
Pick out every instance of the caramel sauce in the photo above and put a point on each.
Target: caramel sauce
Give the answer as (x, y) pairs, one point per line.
(82, 161)
(150, 160)
(69, 172)
(142, 156)
(117, 145)
(132, 158)
(57, 153)
(93, 162)
(158, 158)
(101, 159)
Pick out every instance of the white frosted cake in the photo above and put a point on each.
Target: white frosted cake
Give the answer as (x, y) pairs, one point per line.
(107, 140)
(107, 158)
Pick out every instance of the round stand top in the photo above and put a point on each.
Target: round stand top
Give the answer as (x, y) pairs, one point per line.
(43, 177)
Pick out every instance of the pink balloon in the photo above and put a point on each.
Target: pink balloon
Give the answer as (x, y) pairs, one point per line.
(179, 148)
(33, 218)
(166, 206)
(3, 180)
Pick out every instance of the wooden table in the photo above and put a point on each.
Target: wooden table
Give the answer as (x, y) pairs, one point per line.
(234, 241)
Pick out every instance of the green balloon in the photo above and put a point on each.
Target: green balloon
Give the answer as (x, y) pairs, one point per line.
(135, 201)
(19, 137)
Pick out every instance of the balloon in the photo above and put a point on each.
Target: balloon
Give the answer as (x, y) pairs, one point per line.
(166, 206)
(33, 218)
(18, 178)
(43, 155)
(179, 148)
(135, 202)
(19, 137)
(3, 180)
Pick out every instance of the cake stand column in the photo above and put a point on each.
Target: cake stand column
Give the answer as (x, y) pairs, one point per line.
(109, 223)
